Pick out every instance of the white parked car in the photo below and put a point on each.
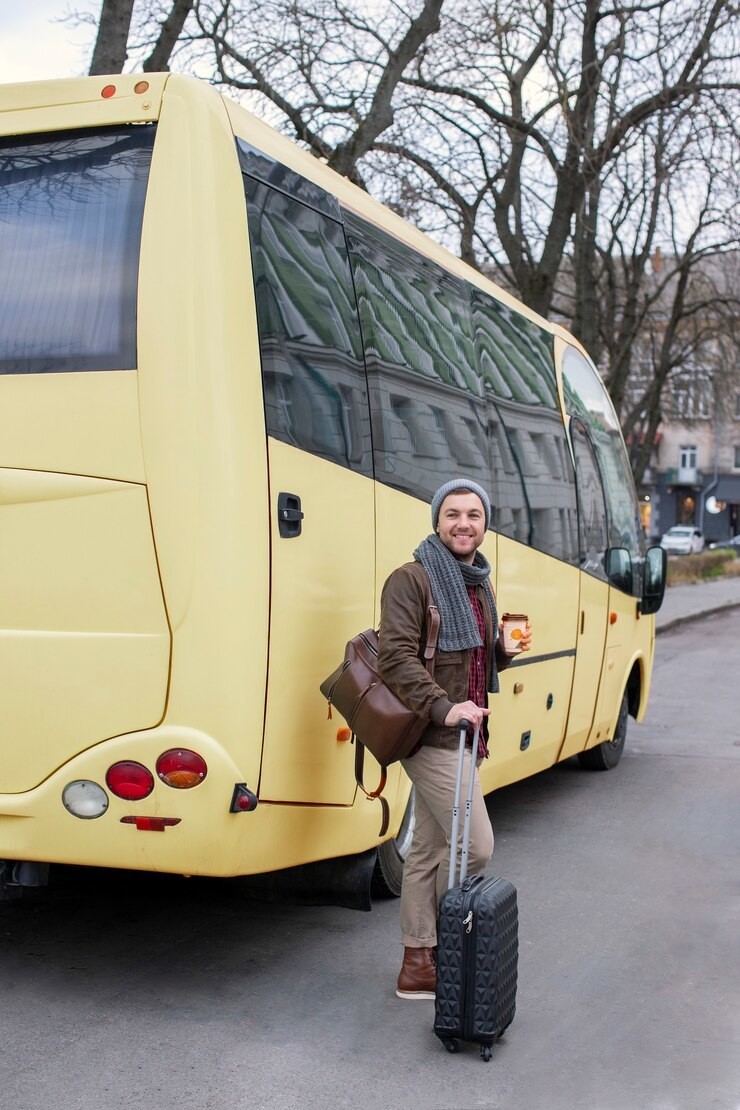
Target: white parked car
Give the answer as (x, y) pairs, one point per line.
(682, 539)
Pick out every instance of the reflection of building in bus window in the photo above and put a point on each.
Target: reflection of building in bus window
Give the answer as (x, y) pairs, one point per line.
(438, 348)
(313, 371)
(587, 398)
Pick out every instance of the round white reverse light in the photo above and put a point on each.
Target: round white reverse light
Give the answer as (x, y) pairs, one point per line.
(85, 799)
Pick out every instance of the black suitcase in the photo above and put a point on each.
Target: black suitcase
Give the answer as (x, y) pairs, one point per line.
(477, 944)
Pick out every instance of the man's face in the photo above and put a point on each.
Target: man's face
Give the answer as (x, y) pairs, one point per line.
(462, 524)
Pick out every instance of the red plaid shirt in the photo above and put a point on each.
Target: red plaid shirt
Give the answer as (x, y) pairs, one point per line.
(478, 681)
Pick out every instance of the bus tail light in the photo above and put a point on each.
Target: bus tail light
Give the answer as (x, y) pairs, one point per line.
(181, 769)
(84, 799)
(129, 780)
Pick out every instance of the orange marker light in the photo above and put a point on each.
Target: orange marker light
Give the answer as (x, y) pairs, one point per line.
(612, 618)
(344, 734)
(141, 86)
(108, 92)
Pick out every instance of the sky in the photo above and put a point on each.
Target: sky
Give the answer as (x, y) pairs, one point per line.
(35, 45)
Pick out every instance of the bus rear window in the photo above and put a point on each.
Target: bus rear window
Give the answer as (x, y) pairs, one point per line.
(71, 209)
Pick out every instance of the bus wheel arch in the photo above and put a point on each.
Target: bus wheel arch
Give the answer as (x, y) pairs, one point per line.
(606, 756)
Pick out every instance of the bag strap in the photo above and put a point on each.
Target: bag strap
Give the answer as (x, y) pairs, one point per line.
(378, 791)
(430, 649)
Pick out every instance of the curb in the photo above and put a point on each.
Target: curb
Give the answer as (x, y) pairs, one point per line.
(678, 621)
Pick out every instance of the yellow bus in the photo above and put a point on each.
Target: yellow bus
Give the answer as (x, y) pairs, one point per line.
(229, 383)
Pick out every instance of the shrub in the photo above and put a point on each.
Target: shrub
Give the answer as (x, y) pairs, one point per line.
(696, 568)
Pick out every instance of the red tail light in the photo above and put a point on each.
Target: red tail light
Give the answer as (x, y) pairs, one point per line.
(130, 781)
(181, 768)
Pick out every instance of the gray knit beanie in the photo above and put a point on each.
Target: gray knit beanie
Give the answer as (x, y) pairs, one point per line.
(459, 485)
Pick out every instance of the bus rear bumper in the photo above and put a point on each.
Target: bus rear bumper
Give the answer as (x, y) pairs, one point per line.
(187, 832)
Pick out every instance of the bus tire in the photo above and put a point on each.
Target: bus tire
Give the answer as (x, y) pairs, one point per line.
(607, 755)
(388, 873)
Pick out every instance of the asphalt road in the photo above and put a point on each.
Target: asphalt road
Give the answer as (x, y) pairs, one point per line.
(164, 993)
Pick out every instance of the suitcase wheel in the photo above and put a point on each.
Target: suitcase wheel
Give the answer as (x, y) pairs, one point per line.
(450, 1044)
(486, 1051)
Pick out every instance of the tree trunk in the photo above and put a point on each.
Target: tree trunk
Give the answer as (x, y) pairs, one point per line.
(110, 53)
(170, 31)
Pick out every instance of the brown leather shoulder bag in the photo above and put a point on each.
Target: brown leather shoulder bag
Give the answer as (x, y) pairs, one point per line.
(378, 718)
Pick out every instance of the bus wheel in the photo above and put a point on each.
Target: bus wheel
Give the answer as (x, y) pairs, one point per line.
(392, 854)
(607, 755)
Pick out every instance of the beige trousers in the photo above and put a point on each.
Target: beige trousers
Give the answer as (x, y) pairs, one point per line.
(433, 772)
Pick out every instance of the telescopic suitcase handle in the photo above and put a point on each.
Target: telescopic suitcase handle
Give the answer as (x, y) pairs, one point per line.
(464, 726)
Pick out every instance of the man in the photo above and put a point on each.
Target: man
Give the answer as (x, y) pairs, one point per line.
(449, 571)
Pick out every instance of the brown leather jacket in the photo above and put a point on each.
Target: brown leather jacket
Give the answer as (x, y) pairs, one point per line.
(404, 603)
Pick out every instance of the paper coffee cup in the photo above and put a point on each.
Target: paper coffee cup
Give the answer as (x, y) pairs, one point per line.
(515, 625)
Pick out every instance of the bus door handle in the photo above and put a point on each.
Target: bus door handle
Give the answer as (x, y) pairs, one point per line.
(289, 515)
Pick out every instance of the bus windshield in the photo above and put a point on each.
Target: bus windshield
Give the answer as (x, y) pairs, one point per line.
(71, 209)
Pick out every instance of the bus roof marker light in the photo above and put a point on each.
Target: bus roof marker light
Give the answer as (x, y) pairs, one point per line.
(108, 92)
(141, 87)
(85, 799)
(181, 769)
(130, 780)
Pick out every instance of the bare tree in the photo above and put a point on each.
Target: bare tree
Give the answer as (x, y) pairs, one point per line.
(111, 45)
(547, 141)
(115, 43)
(331, 71)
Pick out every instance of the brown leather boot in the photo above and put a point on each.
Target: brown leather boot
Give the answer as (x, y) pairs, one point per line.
(418, 977)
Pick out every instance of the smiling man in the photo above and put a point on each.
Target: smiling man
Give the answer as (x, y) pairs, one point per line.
(450, 572)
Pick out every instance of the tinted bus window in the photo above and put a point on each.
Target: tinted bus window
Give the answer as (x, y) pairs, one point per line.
(537, 494)
(312, 365)
(592, 520)
(426, 398)
(587, 399)
(71, 209)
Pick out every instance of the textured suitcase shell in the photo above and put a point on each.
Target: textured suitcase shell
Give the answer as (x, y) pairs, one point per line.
(477, 953)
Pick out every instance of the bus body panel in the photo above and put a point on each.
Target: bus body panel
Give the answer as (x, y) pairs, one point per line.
(529, 714)
(208, 840)
(84, 648)
(56, 433)
(627, 640)
(592, 624)
(203, 428)
(78, 102)
(322, 593)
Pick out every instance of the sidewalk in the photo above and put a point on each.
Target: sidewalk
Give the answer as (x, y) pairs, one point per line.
(687, 603)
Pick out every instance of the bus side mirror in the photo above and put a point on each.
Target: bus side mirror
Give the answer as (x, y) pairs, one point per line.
(656, 563)
(619, 568)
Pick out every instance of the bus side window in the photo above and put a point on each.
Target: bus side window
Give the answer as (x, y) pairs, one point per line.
(516, 360)
(312, 365)
(427, 406)
(592, 520)
(587, 399)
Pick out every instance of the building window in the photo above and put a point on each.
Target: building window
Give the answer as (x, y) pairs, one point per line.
(737, 457)
(687, 459)
(692, 400)
(737, 406)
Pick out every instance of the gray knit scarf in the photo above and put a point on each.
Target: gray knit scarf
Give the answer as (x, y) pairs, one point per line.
(449, 579)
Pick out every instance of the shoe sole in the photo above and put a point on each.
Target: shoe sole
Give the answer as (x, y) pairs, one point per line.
(413, 995)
